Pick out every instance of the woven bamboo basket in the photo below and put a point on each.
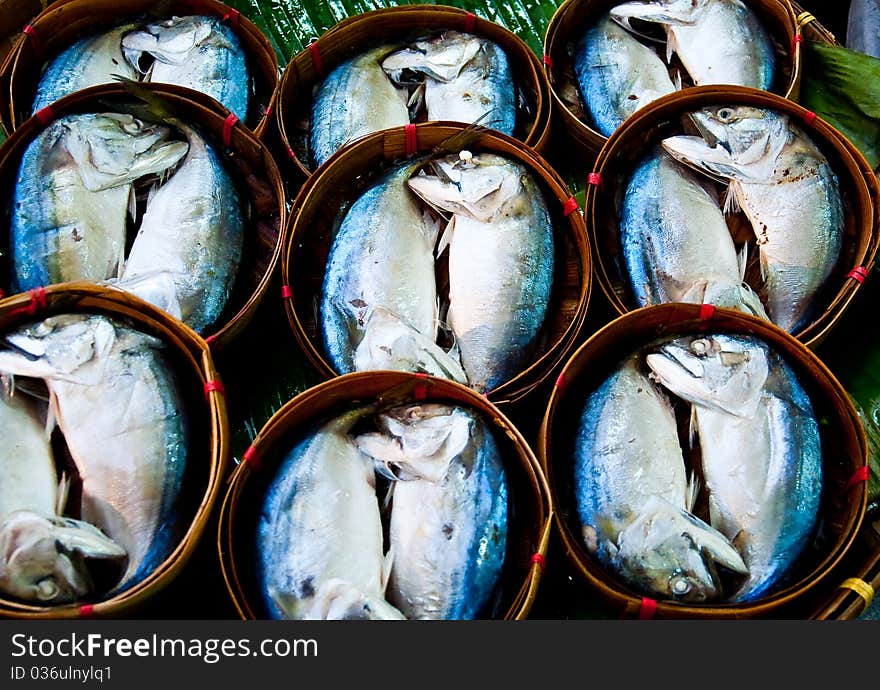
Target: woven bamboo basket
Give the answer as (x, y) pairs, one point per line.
(843, 441)
(355, 34)
(66, 21)
(309, 235)
(530, 516)
(810, 28)
(627, 146)
(573, 16)
(208, 454)
(247, 159)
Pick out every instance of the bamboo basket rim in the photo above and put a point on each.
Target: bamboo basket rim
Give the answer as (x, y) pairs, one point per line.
(504, 393)
(219, 335)
(551, 39)
(88, 297)
(687, 318)
(538, 134)
(253, 41)
(276, 429)
(673, 105)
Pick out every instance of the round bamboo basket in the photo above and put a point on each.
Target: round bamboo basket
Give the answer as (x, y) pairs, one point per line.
(356, 34)
(573, 16)
(530, 512)
(208, 454)
(628, 145)
(843, 441)
(65, 21)
(247, 159)
(810, 28)
(309, 235)
(13, 15)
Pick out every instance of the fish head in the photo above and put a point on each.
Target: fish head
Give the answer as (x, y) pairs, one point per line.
(666, 12)
(42, 559)
(671, 553)
(726, 373)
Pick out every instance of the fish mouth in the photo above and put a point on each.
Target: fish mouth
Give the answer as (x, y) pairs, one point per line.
(700, 121)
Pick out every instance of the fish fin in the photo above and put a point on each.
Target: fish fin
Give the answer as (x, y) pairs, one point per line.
(693, 491)
(731, 201)
(387, 564)
(52, 415)
(446, 237)
(416, 99)
(463, 139)
(692, 427)
(709, 562)
(751, 303)
(765, 264)
(742, 259)
(677, 82)
(671, 46)
(158, 106)
(62, 494)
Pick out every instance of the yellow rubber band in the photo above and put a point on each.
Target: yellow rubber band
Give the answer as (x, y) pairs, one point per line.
(805, 18)
(860, 587)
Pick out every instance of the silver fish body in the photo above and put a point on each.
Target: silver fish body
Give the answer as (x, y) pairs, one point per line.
(632, 493)
(197, 52)
(449, 503)
(319, 539)
(72, 195)
(379, 280)
(718, 41)
(467, 79)
(117, 401)
(760, 445)
(617, 75)
(786, 187)
(355, 99)
(193, 232)
(501, 260)
(90, 61)
(43, 556)
(863, 27)
(676, 244)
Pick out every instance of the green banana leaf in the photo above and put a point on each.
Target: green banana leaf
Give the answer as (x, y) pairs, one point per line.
(842, 86)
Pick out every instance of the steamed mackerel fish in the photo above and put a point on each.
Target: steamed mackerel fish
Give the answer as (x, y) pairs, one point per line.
(93, 60)
(197, 52)
(117, 402)
(448, 527)
(500, 239)
(73, 192)
(676, 244)
(863, 27)
(788, 191)
(761, 452)
(466, 79)
(379, 299)
(44, 557)
(617, 74)
(186, 254)
(718, 41)
(319, 538)
(633, 497)
(355, 99)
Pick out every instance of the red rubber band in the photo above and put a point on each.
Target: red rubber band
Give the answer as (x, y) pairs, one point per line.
(420, 389)
(269, 111)
(316, 58)
(539, 560)
(858, 274)
(571, 205)
(286, 292)
(228, 124)
(547, 60)
(87, 611)
(37, 302)
(45, 116)
(470, 22)
(647, 609)
(412, 139)
(210, 339)
(795, 40)
(594, 179)
(707, 311)
(233, 17)
(809, 117)
(560, 381)
(860, 476)
(291, 154)
(33, 37)
(252, 457)
(217, 386)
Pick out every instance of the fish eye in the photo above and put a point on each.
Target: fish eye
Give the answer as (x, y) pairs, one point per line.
(700, 347)
(47, 588)
(725, 114)
(680, 585)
